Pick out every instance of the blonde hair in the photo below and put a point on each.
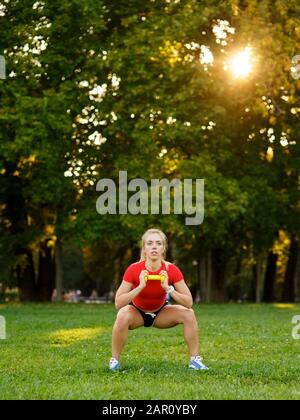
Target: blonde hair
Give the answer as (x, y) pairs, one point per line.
(144, 238)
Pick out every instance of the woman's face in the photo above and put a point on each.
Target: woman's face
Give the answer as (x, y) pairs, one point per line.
(154, 247)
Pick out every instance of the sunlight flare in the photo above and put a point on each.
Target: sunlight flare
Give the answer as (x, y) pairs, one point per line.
(241, 64)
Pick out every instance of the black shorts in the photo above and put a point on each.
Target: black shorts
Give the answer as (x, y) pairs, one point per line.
(149, 317)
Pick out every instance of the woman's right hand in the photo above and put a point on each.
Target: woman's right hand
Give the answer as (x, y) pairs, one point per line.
(142, 279)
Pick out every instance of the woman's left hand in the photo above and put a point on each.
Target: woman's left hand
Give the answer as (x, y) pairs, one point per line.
(165, 284)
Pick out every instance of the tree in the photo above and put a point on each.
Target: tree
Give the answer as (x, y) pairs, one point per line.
(48, 48)
(142, 88)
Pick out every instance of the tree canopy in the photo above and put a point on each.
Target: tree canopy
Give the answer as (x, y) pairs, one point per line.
(161, 89)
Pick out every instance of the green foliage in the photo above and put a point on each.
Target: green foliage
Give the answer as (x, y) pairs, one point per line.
(93, 89)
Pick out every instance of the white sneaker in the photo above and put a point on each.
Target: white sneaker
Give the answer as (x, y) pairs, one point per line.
(114, 364)
(197, 364)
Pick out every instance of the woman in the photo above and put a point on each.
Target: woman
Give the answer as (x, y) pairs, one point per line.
(143, 303)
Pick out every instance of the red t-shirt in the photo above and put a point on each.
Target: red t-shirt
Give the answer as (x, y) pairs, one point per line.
(153, 296)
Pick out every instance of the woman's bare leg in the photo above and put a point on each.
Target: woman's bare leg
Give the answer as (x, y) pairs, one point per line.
(170, 316)
(128, 318)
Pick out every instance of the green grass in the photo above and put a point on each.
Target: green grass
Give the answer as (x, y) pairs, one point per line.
(61, 351)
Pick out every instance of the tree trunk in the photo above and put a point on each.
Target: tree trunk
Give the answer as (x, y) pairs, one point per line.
(289, 281)
(118, 270)
(259, 278)
(46, 272)
(208, 277)
(237, 293)
(2, 288)
(252, 293)
(116, 274)
(198, 288)
(270, 277)
(297, 277)
(26, 278)
(170, 252)
(59, 270)
(135, 251)
(203, 282)
(219, 266)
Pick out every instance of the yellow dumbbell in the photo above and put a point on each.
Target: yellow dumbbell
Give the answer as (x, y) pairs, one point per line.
(159, 277)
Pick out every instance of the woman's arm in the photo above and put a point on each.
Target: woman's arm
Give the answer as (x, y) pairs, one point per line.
(125, 295)
(181, 294)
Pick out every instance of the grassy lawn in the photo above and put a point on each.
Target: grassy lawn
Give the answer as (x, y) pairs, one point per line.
(61, 351)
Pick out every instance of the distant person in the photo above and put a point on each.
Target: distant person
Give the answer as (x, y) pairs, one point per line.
(78, 296)
(71, 296)
(54, 295)
(94, 295)
(143, 303)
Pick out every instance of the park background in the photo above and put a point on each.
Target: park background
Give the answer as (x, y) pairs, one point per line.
(162, 89)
